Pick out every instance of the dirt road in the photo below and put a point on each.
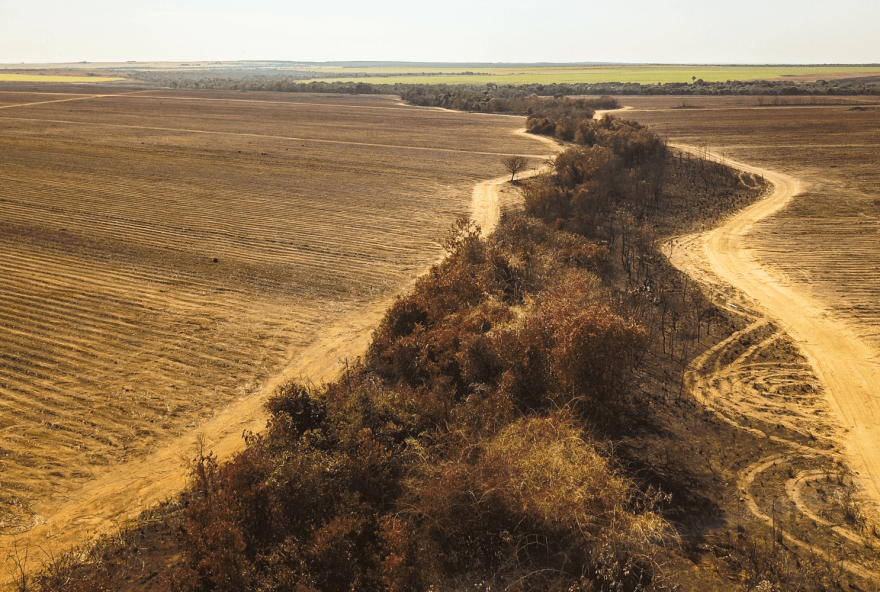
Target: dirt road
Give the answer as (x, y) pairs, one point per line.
(486, 203)
(843, 362)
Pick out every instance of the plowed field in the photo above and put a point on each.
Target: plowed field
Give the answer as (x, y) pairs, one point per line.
(166, 256)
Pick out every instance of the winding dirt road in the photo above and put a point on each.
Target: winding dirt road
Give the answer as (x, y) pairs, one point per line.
(844, 363)
(486, 200)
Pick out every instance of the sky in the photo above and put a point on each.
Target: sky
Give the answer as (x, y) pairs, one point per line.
(634, 31)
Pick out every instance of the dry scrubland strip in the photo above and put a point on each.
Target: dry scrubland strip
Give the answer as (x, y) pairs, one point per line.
(404, 308)
(843, 362)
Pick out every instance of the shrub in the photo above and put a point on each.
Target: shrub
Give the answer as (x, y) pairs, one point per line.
(537, 500)
(454, 453)
(590, 346)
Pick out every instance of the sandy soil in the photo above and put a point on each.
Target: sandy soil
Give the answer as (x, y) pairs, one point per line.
(169, 259)
(488, 202)
(756, 391)
(822, 248)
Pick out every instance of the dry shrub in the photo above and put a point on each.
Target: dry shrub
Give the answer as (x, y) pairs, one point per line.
(536, 501)
(546, 201)
(294, 410)
(591, 347)
(546, 251)
(211, 533)
(764, 564)
(454, 454)
(298, 519)
(565, 128)
(540, 125)
(582, 165)
(576, 251)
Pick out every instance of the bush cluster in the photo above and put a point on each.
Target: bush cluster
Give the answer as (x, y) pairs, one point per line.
(619, 165)
(492, 99)
(456, 453)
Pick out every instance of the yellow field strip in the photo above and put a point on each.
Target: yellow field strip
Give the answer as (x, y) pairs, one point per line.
(272, 137)
(39, 78)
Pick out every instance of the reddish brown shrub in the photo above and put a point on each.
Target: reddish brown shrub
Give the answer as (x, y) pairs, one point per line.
(592, 347)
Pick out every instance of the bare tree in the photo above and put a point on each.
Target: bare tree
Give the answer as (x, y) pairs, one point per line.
(515, 164)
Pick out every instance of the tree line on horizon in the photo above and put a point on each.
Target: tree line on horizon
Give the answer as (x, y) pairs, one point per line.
(478, 94)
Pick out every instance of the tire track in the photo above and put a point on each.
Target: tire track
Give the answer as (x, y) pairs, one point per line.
(815, 399)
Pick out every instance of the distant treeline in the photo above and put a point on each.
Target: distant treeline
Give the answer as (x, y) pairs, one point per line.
(206, 80)
(434, 94)
(490, 100)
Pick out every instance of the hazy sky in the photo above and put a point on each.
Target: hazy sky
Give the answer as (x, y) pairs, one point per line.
(665, 31)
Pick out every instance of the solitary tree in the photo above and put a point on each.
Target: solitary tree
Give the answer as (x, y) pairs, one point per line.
(514, 164)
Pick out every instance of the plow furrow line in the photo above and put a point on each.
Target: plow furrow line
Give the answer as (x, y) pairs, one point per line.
(272, 222)
(102, 286)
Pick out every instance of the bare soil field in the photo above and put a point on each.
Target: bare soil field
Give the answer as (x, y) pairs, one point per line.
(168, 257)
(801, 269)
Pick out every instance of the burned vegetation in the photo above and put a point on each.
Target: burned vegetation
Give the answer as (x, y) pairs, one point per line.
(494, 434)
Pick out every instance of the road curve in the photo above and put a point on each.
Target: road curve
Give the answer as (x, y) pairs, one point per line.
(846, 365)
(486, 200)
